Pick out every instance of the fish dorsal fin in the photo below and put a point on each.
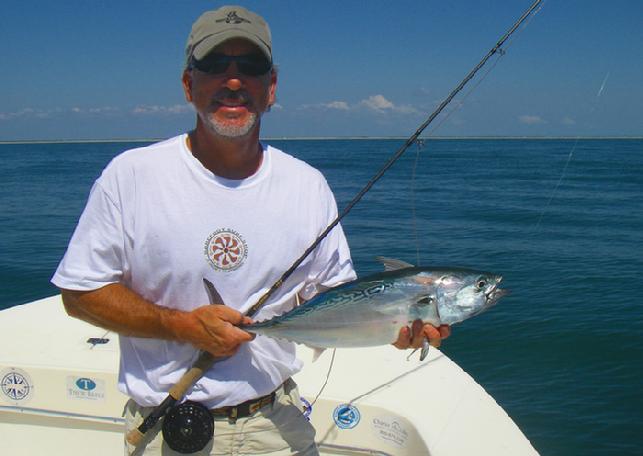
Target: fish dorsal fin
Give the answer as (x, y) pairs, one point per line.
(213, 294)
(391, 264)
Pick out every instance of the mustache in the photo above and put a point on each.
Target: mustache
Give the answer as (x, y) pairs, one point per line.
(240, 96)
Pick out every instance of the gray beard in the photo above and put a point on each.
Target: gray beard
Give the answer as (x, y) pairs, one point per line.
(232, 131)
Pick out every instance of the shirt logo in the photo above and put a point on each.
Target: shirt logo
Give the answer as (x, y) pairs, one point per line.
(225, 250)
(232, 18)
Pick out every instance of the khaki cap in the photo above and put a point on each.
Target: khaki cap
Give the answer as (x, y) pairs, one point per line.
(214, 27)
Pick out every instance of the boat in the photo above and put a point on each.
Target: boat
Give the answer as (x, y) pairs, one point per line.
(59, 396)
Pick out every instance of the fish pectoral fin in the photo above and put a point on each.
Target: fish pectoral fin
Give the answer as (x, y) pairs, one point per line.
(317, 351)
(425, 349)
(391, 264)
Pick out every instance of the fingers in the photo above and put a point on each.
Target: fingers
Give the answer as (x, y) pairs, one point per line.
(217, 331)
(403, 339)
(433, 335)
(417, 334)
(228, 314)
(413, 337)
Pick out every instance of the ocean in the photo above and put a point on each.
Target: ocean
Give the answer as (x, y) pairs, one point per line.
(560, 219)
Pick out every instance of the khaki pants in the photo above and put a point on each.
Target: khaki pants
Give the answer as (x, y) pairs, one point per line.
(275, 430)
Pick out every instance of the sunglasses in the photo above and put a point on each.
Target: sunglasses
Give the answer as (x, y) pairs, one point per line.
(247, 64)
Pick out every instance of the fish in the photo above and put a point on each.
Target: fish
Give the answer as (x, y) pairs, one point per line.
(370, 311)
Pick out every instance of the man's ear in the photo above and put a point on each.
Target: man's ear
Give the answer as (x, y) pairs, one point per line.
(272, 91)
(186, 80)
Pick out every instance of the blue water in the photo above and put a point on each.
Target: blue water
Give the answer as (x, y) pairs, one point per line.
(562, 220)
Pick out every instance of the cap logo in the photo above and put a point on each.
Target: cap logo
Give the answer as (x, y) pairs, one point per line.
(232, 18)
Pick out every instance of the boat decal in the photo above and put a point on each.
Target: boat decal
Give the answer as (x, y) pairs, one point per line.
(308, 408)
(17, 387)
(85, 388)
(346, 416)
(391, 430)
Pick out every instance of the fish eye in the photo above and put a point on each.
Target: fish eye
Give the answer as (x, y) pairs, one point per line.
(481, 283)
(425, 301)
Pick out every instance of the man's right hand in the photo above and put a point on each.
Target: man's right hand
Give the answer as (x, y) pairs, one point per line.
(215, 329)
(115, 307)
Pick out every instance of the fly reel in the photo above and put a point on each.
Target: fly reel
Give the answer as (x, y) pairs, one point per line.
(187, 428)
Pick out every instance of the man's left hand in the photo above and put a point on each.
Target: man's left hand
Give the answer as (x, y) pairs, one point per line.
(413, 337)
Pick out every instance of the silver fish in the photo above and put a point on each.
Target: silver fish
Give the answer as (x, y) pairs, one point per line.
(371, 311)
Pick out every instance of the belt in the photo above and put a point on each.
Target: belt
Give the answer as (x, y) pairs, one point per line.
(245, 409)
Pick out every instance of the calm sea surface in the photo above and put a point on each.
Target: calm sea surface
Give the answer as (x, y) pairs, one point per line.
(562, 220)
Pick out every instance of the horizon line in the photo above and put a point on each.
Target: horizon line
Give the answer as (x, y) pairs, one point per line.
(319, 138)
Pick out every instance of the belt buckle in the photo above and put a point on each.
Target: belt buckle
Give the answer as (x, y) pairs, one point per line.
(254, 407)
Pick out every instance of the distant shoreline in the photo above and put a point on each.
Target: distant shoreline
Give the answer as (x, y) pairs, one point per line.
(328, 138)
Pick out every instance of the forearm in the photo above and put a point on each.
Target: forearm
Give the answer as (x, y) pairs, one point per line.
(119, 309)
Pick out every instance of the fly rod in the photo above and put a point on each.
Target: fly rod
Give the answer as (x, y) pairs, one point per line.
(205, 359)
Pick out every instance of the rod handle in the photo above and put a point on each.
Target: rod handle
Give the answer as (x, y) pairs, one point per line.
(134, 437)
(200, 366)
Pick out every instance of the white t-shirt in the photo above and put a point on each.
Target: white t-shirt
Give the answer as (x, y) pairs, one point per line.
(159, 222)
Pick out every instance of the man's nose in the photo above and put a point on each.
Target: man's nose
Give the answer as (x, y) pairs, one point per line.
(233, 82)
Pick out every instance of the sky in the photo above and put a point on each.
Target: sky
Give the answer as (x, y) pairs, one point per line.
(89, 69)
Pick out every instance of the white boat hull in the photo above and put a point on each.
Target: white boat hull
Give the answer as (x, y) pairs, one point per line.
(59, 396)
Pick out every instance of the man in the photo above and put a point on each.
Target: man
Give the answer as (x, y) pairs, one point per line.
(214, 204)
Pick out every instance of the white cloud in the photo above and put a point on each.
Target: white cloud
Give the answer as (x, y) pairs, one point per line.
(380, 104)
(568, 121)
(162, 110)
(531, 120)
(37, 113)
(377, 103)
(26, 113)
(97, 110)
(341, 105)
(338, 105)
(102, 110)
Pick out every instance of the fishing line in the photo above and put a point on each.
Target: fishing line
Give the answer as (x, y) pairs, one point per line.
(458, 105)
(569, 159)
(393, 380)
(501, 53)
(330, 368)
(412, 139)
(312, 403)
(420, 145)
(553, 193)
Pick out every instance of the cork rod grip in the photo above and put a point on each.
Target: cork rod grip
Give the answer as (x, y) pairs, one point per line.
(200, 366)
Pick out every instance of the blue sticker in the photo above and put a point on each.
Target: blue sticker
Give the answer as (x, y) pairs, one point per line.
(346, 416)
(308, 408)
(86, 384)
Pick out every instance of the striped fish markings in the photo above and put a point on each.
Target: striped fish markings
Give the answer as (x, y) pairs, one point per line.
(370, 311)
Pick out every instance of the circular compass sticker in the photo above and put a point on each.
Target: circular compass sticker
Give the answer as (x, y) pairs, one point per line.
(16, 386)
